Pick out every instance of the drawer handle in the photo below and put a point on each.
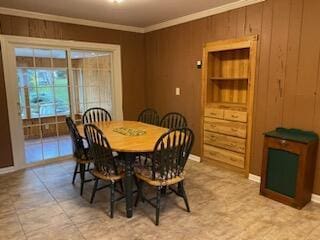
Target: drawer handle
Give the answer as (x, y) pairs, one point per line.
(234, 129)
(214, 114)
(213, 138)
(283, 142)
(213, 126)
(234, 116)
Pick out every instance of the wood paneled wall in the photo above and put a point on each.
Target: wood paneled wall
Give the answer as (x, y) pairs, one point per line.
(288, 82)
(133, 65)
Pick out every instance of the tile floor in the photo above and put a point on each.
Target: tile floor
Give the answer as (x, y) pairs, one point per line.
(40, 203)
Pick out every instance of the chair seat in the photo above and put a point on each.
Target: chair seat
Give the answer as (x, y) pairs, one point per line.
(147, 177)
(82, 161)
(107, 176)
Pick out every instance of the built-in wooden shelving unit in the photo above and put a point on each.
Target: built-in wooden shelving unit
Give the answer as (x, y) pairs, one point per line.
(227, 87)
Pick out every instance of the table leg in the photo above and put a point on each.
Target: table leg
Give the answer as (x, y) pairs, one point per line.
(128, 181)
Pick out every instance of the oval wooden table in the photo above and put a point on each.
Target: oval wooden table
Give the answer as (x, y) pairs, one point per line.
(129, 138)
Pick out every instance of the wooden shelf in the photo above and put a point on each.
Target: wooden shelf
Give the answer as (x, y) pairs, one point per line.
(226, 105)
(228, 78)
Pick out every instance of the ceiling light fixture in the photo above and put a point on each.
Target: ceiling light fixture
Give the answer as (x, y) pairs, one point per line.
(116, 1)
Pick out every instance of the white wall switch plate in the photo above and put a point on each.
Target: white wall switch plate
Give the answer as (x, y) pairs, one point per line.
(199, 64)
(177, 91)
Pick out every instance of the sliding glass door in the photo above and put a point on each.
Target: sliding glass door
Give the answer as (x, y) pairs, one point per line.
(92, 80)
(55, 83)
(47, 80)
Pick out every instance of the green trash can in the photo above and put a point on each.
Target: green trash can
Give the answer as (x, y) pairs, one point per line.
(289, 162)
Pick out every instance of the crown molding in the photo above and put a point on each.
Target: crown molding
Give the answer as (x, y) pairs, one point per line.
(202, 14)
(78, 21)
(170, 23)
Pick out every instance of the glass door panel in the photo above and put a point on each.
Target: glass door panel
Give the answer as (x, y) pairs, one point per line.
(44, 99)
(92, 85)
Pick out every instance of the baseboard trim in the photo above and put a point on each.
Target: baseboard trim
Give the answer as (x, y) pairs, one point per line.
(7, 170)
(255, 178)
(194, 158)
(315, 198)
(36, 164)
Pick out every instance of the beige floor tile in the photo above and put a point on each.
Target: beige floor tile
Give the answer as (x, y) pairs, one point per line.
(57, 181)
(314, 234)
(81, 211)
(10, 228)
(26, 188)
(44, 216)
(64, 193)
(31, 200)
(65, 232)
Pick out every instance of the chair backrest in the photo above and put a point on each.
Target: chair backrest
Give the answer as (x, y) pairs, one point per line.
(77, 140)
(100, 150)
(149, 116)
(173, 120)
(96, 115)
(171, 153)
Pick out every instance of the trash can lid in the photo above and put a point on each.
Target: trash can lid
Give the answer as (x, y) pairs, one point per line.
(293, 134)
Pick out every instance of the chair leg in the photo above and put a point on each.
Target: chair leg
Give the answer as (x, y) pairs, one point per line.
(184, 195)
(82, 175)
(75, 173)
(121, 185)
(88, 166)
(158, 205)
(94, 190)
(139, 195)
(112, 199)
(164, 191)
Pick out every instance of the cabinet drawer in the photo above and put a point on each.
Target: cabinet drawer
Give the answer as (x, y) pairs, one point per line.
(286, 145)
(236, 129)
(225, 156)
(231, 143)
(235, 115)
(214, 112)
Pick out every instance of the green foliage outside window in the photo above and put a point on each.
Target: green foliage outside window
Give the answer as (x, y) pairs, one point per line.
(47, 90)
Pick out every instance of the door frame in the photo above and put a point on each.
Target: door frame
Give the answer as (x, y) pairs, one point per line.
(8, 43)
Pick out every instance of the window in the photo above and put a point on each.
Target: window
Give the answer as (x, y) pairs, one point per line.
(43, 82)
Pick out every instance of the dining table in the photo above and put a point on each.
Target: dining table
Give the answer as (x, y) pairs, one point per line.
(129, 138)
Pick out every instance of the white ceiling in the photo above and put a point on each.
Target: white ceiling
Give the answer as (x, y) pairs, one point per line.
(137, 13)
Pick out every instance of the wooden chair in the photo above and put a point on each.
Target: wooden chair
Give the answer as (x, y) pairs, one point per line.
(106, 166)
(95, 115)
(79, 152)
(173, 120)
(149, 116)
(169, 157)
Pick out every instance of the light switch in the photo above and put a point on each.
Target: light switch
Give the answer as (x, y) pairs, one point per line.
(199, 64)
(178, 91)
